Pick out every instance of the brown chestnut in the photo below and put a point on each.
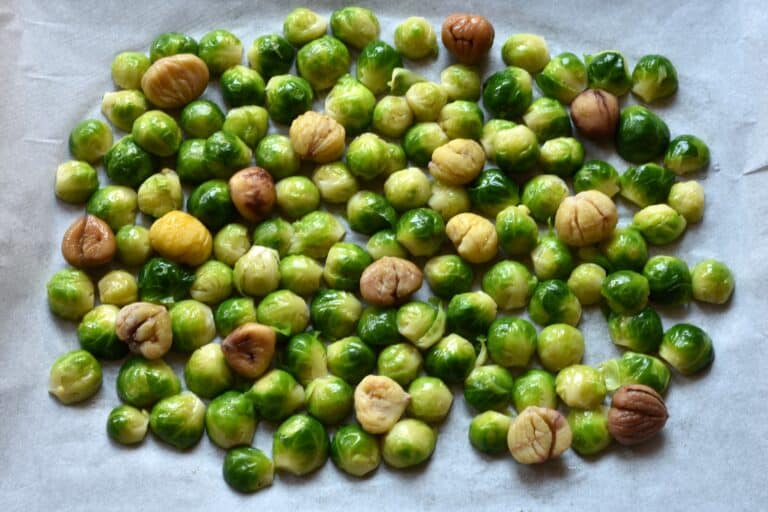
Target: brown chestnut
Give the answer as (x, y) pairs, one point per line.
(253, 192)
(88, 242)
(467, 36)
(595, 113)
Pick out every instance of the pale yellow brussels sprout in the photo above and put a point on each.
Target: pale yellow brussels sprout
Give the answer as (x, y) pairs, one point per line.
(128, 68)
(527, 51)
(712, 282)
(407, 189)
(687, 199)
(515, 149)
(585, 283)
(416, 39)
(458, 162)
(181, 237)
(76, 181)
(460, 82)
(230, 243)
(160, 193)
(213, 282)
(70, 293)
(473, 236)
(118, 287)
(75, 376)
(580, 386)
(335, 183)
(122, 108)
(490, 129)
(257, 272)
(448, 200)
(426, 99)
(392, 116)
(303, 25)
(660, 224)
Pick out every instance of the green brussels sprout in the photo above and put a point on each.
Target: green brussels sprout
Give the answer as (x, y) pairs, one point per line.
(322, 61)
(300, 445)
(608, 70)
(97, 333)
(356, 26)
(515, 149)
(297, 196)
(712, 282)
(509, 284)
(241, 85)
(634, 368)
(421, 140)
(271, 55)
(654, 78)
(461, 119)
(586, 281)
(275, 154)
(580, 386)
(155, 132)
(344, 265)
(274, 233)
(669, 280)
(397, 159)
(76, 181)
(508, 93)
(300, 274)
(192, 325)
(448, 200)
(553, 302)
(593, 254)
(201, 118)
(384, 243)
(490, 129)
(305, 358)
(400, 362)
(451, 359)
(127, 163)
(74, 377)
(543, 194)
(642, 136)
(460, 83)
(430, 400)
(213, 283)
(660, 224)
(127, 425)
(392, 116)
(284, 311)
(378, 326)
(133, 245)
(422, 323)
(171, 43)
(230, 420)
(517, 231)
(597, 175)
(220, 50)
(563, 78)
(488, 387)
(527, 51)
(249, 123)
(248, 469)
(351, 104)
(191, 165)
(416, 39)
(686, 153)
(561, 156)
(368, 212)
(164, 282)
(375, 64)
(407, 189)
(448, 275)
(70, 293)
(288, 97)
(230, 243)
(303, 25)
(646, 184)
(641, 332)
(402, 80)
(492, 192)
(548, 119)
(179, 420)
(226, 153)
(589, 429)
(160, 193)
(315, 234)
(511, 341)
(334, 182)
(687, 199)
(625, 249)
(560, 346)
(551, 258)
(207, 373)
(426, 100)
(534, 388)
(234, 312)
(128, 68)
(329, 399)
(276, 395)
(470, 314)
(409, 443)
(123, 107)
(257, 272)
(626, 292)
(421, 231)
(687, 348)
(118, 287)
(142, 382)
(350, 359)
(367, 156)
(488, 432)
(355, 451)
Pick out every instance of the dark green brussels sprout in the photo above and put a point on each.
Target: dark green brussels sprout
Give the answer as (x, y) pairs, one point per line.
(669, 280)
(430, 400)
(344, 265)
(461, 119)
(563, 78)
(127, 425)
(76, 181)
(275, 154)
(303, 25)
(560, 346)
(642, 136)
(660, 224)
(687, 348)
(288, 97)
(608, 70)
(517, 231)
(548, 119)
(142, 382)
(597, 175)
(392, 116)
(553, 302)
(508, 93)
(407, 189)
(201, 118)
(249, 123)
(367, 156)
(687, 199)
(284, 311)
(488, 432)
(257, 272)
(356, 26)
(515, 149)
(323, 61)
(470, 314)
(171, 43)
(276, 395)
(164, 282)
(646, 184)
(191, 165)
(274, 233)
(160, 193)
(70, 293)
(641, 332)
(213, 283)
(220, 50)
(97, 333)
(409, 443)
(230, 420)
(534, 388)
(300, 445)
(527, 51)
(128, 68)
(625, 249)
(241, 85)
(561, 156)
(248, 469)
(448, 275)
(400, 362)
(421, 231)
(271, 55)
(589, 429)
(492, 191)
(127, 163)
(509, 284)
(580, 386)
(334, 182)
(488, 387)
(156, 132)
(355, 451)
(585, 282)
(74, 377)
(378, 326)
(543, 194)
(422, 323)
(315, 234)
(448, 200)
(416, 39)
(712, 282)
(626, 292)
(451, 359)
(192, 325)
(133, 245)
(226, 153)
(511, 341)
(350, 359)
(634, 368)
(460, 83)
(351, 104)
(234, 312)
(686, 153)
(375, 64)
(123, 107)
(305, 358)
(329, 399)
(297, 196)
(384, 243)
(552, 259)
(421, 140)
(207, 373)
(179, 420)
(118, 287)
(654, 78)
(402, 80)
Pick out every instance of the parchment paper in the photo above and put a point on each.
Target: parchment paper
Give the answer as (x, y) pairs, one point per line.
(54, 65)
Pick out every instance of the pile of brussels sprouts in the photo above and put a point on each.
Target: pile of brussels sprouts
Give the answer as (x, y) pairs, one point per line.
(213, 272)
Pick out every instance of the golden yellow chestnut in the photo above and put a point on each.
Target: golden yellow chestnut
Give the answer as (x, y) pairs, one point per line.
(586, 218)
(473, 236)
(180, 237)
(458, 162)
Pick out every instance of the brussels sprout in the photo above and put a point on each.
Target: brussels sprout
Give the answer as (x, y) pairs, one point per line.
(257, 272)
(400, 362)
(344, 265)
(461, 120)
(421, 231)
(356, 26)
(646, 184)
(509, 284)
(323, 61)
(128, 68)
(76, 181)
(201, 118)
(553, 302)
(488, 387)
(142, 382)
(561, 156)
(127, 163)
(241, 85)
(384, 243)
(686, 153)
(543, 194)
(171, 43)
(641, 332)
(74, 377)
(70, 294)
(659, 224)
(448, 200)
(127, 425)
(207, 373)
(580, 386)
(160, 193)
(271, 55)
(416, 39)
(164, 282)
(226, 153)
(97, 333)
(687, 348)
(276, 395)
(402, 80)
(422, 323)
(220, 50)
(315, 234)
(548, 119)
(527, 51)
(300, 274)
(248, 469)
(517, 231)
(551, 258)
(470, 314)
(712, 282)
(118, 287)
(396, 158)
(534, 388)
(608, 70)
(179, 420)
(288, 97)
(303, 25)
(300, 445)
(451, 359)
(350, 359)
(375, 65)
(233, 313)
(488, 432)
(275, 154)
(642, 136)
(123, 107)
(230, 243)
(511, 341)
(634, 368)
(687, 199)
(274, 233)
(585, 282)
(460, 83)
(351, 104)
(392, 116)
(515, 149)
(626, 292)
(155, 132)
(367, 156)
(284, 311)
(508, 93)
(597, 175)
(559, 346)
(430, 400)
(669, 280)
(297, 196)
(407, 189)
(192, 325)
(230, 420)
(409, 443)
(335, 313)
(626, 249)
(133, 245)
(654, 78)
(249, 123)
(305, 358)
(378, 326)
(355, 451)
(213, 283)
(448, 275)
(563, 78)
(589, 430)
(421, 140)
(426, 100)
(490, 129)
(492, 192)
(329, 399)
(334, 182)
(191, 164)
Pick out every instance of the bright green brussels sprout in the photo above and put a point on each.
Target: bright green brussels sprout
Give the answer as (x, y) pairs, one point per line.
(642, 136)
(470, 314)
(553, 302)
(527, 51)
(201, 118)
(230, 420)
(351, 104)
(448, 200)
(608, 70)
(335, 313)
(127, 425)
(490, 129)
(249, 123)
(127, 163)
(276, 395)
(563, 78)
(508, 93)
(160, 193)
(350, 359)
(515, 149)
(288, 97)
(517, 231)
(271, 55)
(511, 341)
(534, 388)
(461, 120)
(422, 323)
(300, 445)
(552, 259)
(344, 265)
(118, 287)
(230, 243)
(133, 245)
(421, 231)
(416, 39)
(191, 165)
(274, 233)
(626, 292)
(192, 325)
(156, 132)
(451, 359)
(384, 243)
(128, 68)
(375, 64)
(171, 43)
(315, 234)
(367, 156)
(426, 100)
(488, 387)
(543, 194)
(179, 420)
(322, 61)
(634, 368)
(687, 199)
(248, 469)
(585, 282)
(407, 189)
(257, 272)
(409, 443)
(589, 429)
(492, 192)
(400, 362)
(669, 280)
(448, 275)
(329, 399)
(559, 346)
(123, 107)
(660, 224)
(70, 293)
(284, 311)
(597, 175)
(392, 116)
(402, 80)
(213, 283)
(430, 400)
(646, 184)
(226, 153)
(74, 377)
(234, 312)
(654, 78)
(625, 249)
(460, 83)
(561, 156)
(76, 181)
(687, 348)
(275, 154)
(548, 119)
(241, 85)
(488, 432)
(421, 140)
(356, 26)
(297, 196)
(142, 382)
(305, 358)
(97, 333)
(641, 332)
(686, 153)
(303, 25)
(207, 373)
(580, 386)
(164, 282)
(355, 451)
(712, 282)
(220, 50)
(509, 284)
(378, 326)
(300, 274)
(334, 182)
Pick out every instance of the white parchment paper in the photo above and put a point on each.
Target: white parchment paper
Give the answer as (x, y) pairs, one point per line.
(54, 68)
